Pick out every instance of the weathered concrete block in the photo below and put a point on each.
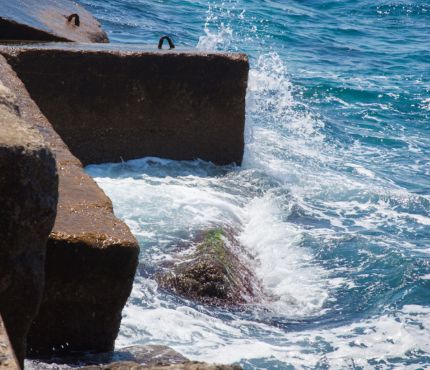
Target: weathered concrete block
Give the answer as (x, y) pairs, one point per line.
(47, 20)
(7, 356)
(113, 105)
(28, 199)
(91, 255)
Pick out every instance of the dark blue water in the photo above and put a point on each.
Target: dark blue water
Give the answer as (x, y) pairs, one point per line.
(333, 198)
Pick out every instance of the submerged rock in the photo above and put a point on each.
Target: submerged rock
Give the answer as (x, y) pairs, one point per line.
(214, 273)
(189, 365)
(147, 355)
(131, 358)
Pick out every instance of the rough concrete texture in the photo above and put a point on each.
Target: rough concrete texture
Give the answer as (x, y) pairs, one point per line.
(109, 106)
(215, 273)
(47, 20)
(28, 199)
(91, 255)
(7, 356)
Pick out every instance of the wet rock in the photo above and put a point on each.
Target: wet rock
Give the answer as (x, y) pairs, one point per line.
(189, 365)
(91, 256)
(48, 20)
(28, 198)
(113, 105)
(147, 355)
(214, 273)
(7, 357)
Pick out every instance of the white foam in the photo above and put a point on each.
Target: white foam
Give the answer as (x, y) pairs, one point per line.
(379, 341)
(158, 207)
(201, 337)
(286, 268)
(215, 38)
(339, 188)
(426, 104)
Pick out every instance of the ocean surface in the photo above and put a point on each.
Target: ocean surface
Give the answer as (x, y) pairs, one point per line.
(332, 199)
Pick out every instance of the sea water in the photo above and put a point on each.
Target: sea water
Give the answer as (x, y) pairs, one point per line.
(332, 200)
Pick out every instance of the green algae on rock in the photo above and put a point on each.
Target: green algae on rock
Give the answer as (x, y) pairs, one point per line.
(215, 273)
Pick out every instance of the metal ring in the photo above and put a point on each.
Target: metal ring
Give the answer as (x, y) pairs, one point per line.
(169, 40)
(77, 19)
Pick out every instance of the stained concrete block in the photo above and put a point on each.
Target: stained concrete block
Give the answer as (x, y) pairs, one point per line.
(91, 256)
(28, 199)
(119, 104)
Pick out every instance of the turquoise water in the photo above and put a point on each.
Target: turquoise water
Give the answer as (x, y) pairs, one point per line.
(332, 200)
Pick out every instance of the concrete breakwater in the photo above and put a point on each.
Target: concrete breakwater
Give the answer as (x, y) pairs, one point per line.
(110, 105)
(91, 256)
(28, 198)
(67, 263)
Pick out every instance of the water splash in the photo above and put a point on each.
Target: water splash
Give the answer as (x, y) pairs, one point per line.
(332, 199)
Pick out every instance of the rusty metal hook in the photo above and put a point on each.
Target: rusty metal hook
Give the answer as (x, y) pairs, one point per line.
(169, 40)
(77, 19)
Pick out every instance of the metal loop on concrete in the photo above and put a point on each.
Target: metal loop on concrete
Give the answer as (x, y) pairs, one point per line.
(76, 17)
(169, 40)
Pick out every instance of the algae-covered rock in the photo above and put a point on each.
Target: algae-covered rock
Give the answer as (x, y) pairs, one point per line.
(215, 273)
